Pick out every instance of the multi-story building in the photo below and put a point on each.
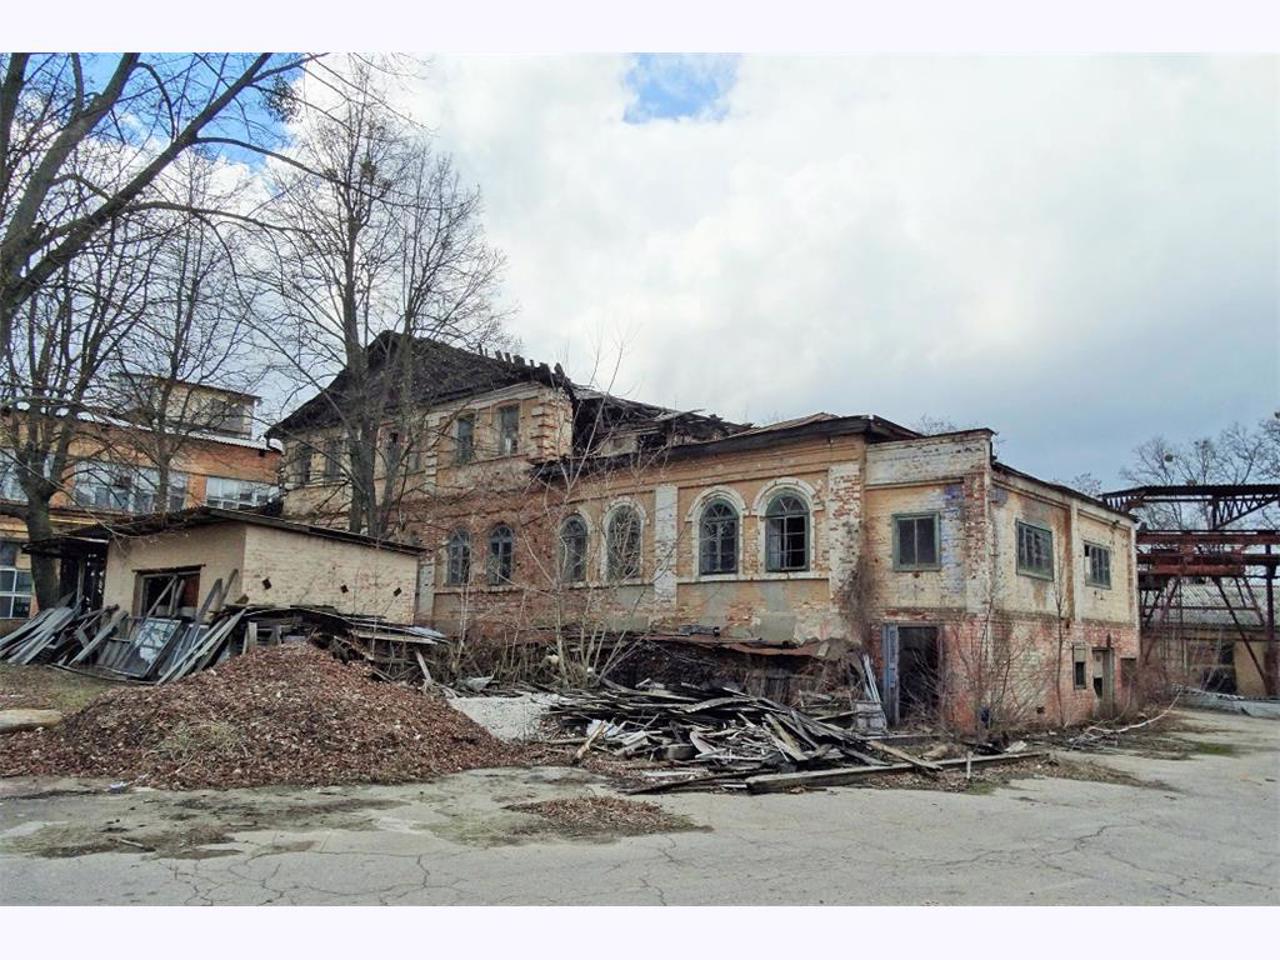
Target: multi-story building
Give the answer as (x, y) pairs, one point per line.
(980, 592)
(216, 461)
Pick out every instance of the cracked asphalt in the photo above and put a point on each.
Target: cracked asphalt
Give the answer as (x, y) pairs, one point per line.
(1204, 830)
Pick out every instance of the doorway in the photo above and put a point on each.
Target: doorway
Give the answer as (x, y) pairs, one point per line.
(912, 671)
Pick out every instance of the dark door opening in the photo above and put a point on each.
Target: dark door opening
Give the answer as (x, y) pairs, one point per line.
(918, 673)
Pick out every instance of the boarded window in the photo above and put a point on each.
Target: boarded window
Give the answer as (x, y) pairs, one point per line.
(1097, 565)
(458, 559)
(718, 539)
(623, 545)
(786, 534)
(915, 541)
(573, 550)
(502, 555)
(508, 430)
(464, 434)
(1035, 550)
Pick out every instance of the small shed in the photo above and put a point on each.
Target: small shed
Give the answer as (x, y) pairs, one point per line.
(164, 564)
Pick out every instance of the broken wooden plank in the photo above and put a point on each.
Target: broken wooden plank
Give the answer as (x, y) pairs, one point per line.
(929, 766)
(838, 776)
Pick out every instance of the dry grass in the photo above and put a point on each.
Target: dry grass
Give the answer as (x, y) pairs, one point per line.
(47, 688)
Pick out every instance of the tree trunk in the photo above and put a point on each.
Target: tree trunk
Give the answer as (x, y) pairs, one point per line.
(44, 569)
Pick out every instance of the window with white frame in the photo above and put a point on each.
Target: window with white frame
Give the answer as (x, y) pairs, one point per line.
(573, 550)
(232, 494)
(786, 534)
(718, 539)
(457, 571)
(120, 486)
(622, 542)
(1097, 565)
(502, 555)
(15, 584)
(10, 488)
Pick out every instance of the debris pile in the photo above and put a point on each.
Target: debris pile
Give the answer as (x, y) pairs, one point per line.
(285, 715)
(738, 740)
(161, 649)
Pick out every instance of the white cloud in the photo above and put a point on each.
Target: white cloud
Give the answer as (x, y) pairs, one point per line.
(1078, 251)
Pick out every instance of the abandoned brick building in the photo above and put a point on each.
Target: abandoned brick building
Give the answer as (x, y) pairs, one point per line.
(550, 509)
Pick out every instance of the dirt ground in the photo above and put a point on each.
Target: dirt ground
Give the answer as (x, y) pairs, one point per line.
(1190, 820)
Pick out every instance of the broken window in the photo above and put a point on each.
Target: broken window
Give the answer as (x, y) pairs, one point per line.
(718, 539)
(786, 534)
(464, 432)
(915, 541)
(394, 453)
(508, 430)
(623, 539)
(1035, 550)
(573, 550)
(1080, 667)
(502, 554)
(458, 559)
(15, 584)
(231, 494)
(165, 593)
(1097, 565)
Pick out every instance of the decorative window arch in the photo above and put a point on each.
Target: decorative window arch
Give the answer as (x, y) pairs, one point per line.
(719, 533)
(795, 485)
(458, 559)
(502, 555)
(788, 533)
(623, 534)
(573, 549)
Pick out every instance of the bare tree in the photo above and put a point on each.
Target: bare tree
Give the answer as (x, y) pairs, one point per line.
(1238, 454)
(61, 112)
(196, 332)
(387, 240)
(54, 392)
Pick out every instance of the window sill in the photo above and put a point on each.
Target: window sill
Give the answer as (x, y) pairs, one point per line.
(1035, 575)
(932, 568)
(480, 588)
(755, 577)
(1097, 586)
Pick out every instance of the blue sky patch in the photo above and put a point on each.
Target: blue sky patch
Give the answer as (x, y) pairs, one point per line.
(670, 86)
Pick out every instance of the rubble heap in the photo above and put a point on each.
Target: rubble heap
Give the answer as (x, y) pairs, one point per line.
(290, 714)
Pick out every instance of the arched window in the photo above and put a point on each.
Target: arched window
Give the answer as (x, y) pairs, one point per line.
(623, 538)
(502, 554)
(573, 550)
(458, 559)
(786, 534)
(718, 539)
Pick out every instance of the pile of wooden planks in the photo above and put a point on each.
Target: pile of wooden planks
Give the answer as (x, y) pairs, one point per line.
(162, 649)
(732, 736)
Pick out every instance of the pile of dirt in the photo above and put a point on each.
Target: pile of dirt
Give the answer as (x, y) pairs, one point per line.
(279, 715)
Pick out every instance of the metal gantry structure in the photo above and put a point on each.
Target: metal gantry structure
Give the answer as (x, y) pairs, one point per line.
(1213, 566)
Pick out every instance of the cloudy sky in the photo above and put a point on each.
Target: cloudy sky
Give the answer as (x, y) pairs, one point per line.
(1077, 252)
